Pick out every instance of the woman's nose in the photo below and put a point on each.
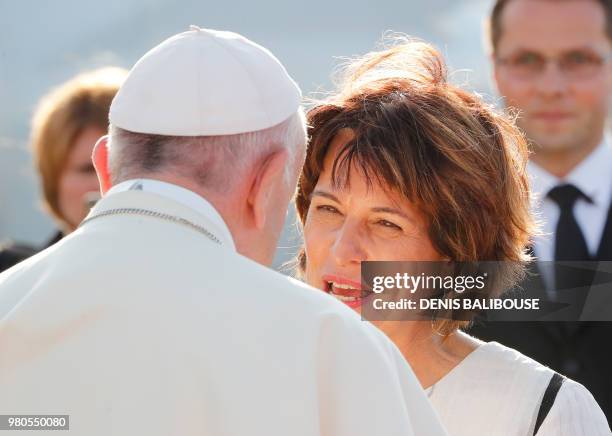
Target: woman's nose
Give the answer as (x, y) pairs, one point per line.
(348, 248)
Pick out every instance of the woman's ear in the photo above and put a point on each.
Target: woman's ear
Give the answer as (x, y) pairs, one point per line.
(262, 193)
(100, 162)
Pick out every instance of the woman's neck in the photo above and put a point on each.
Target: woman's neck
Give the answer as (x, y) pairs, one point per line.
(430, 355)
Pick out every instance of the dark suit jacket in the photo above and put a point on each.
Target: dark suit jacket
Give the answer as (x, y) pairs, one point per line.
(579, 350)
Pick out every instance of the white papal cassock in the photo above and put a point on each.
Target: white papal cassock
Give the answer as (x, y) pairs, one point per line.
(145, 321)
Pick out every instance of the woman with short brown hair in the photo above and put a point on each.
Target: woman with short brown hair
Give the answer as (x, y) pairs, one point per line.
(404, 166)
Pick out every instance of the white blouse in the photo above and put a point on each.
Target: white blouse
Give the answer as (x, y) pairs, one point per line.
(496, 391)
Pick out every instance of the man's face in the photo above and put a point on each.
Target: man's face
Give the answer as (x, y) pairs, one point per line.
(551, 63)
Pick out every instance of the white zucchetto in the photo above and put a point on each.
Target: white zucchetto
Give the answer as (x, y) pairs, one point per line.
(202, 83)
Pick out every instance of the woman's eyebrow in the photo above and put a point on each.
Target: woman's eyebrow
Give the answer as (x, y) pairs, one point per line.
(380, 209)
(392, 211)
(319, 193)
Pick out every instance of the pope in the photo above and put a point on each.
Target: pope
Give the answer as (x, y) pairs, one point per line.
(159, 314)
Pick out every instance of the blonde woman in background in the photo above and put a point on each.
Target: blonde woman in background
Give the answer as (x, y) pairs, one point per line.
(66, 124)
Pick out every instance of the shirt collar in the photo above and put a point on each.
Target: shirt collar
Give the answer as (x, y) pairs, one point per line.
(181, 195)
(593, 176)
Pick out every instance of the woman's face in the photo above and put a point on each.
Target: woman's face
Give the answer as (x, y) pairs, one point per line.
(347, 226)
(78, 178)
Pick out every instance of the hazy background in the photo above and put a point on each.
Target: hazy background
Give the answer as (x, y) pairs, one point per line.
(43, 43)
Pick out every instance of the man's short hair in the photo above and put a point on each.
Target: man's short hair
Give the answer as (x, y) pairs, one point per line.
(494, 28)
(213, 162)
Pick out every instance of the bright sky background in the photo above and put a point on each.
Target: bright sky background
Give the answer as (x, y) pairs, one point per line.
(43, 43)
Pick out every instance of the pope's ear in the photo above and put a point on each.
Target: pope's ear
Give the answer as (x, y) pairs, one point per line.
(100, 162)
(269, 178)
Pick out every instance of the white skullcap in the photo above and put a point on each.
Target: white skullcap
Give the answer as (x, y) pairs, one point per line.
(205, 82)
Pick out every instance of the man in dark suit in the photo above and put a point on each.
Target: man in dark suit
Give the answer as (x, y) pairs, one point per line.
(552, 63)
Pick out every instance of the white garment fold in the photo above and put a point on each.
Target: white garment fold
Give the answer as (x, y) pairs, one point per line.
(497, 391)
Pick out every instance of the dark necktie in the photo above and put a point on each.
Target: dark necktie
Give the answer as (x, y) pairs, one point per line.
(569, 240)
(570, 244)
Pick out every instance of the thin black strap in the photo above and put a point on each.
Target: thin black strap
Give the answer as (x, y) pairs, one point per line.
(548, 399)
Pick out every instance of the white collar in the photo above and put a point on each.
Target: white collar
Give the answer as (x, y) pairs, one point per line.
(182, 195)
(586, 176)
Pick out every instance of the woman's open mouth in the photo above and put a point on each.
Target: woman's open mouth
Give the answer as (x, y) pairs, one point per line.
(347, 291)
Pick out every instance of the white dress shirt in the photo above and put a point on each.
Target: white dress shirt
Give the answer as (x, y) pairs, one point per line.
(497, 391)
(593, 176)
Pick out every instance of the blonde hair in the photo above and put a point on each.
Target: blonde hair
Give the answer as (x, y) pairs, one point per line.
(61, 115)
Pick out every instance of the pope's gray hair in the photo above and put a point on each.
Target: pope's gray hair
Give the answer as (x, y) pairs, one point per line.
(213, 162)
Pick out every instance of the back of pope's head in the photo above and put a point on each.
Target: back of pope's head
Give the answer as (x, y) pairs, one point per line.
(218, 114)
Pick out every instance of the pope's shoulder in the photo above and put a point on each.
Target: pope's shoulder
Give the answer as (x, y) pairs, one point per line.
(178, 271)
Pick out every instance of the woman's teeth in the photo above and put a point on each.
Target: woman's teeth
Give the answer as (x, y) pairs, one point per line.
(342, 286)
(344, 298)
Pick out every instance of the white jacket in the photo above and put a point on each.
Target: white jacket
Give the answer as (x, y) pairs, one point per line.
(142, 325)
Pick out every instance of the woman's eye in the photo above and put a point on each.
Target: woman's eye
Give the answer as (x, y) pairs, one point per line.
(328, 208)
(389, 225)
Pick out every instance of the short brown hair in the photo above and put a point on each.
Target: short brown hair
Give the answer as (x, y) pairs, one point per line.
(61, 116)
(494, 28)
(454, 157)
